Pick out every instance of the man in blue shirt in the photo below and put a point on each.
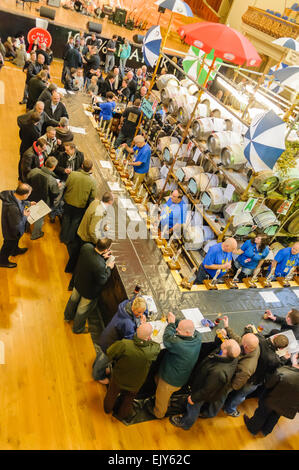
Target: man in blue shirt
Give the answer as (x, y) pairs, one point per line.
(142, 159)
(219, 257)
(174, 213)
(285, 260)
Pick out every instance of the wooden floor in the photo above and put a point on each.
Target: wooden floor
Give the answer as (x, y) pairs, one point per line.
(47, 395)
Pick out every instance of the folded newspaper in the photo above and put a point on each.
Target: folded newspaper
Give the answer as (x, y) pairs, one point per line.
(37, 211)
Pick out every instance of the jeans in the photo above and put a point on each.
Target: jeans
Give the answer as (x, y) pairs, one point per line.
(109, 63)
(78, 309)
(99, 366)
(236, 397)
(122, 64)
(191, 415)
(264, 419)
(246, 271)
(37, 228)
(121, 139)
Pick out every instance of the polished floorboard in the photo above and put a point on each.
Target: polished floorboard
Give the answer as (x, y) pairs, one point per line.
(48, 397)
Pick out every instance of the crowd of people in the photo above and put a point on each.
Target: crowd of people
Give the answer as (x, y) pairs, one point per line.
(220, 374)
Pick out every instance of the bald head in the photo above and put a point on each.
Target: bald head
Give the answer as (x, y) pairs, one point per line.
(230, 348)
(144, 331)
(295, 248)
(249, 342)
(185, 328)
(139, 140)
(229, 245)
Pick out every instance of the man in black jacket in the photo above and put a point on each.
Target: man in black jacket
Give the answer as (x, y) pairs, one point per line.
(280, 398)
(69, 160)
(13, 221)
(32, 158)
(92, 272)
(107, 85)
(54, 108)
(35, 86)
(290, 322)
(32, 68)
(211, 382)
(44, 187)
(44, 121)
(73, 57)
(29, 133)
(46, 94)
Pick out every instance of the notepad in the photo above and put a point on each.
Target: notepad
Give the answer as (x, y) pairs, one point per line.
(114, 186)
(105, 164)
(269, 297)
(196, 316)
(78, 130)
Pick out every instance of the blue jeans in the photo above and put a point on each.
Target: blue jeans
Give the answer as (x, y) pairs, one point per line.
(191, 415)
(236, 397)
(109, 63)
(78, 309)
(99, 366)
(122, 64)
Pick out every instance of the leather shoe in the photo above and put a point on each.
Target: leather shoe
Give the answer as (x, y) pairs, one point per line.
(8, 265)
(20, 251)
(38, 236)
(149, 406)
(246, 421)
(176, 421)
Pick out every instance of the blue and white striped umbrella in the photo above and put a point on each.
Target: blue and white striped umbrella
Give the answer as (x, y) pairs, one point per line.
(290, 43)
(274, 86)
(176, 6)
(151, 46)
(289, 77)
(265, 141)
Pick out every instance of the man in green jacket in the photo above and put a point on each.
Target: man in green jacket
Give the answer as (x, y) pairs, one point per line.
(132, 359)
(93, 226)
(247, 364)
(80, 190)
(183, 344)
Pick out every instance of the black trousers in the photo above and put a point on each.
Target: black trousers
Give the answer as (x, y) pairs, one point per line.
(71, 219)
(264, 419)
(73, 249)
(8, 249)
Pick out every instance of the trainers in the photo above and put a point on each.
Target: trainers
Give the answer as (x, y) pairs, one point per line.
(37, 236)
(234, 414)
(176, 421)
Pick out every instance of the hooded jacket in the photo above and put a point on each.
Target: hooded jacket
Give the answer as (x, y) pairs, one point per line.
(132, 360)
(212, 378)
(123, 325)
(13, 219)
(283, 391)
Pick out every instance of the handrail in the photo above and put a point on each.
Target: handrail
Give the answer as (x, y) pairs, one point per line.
(210, 8)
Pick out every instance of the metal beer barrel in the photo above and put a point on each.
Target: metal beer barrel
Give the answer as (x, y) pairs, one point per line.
(292, 226)
(167, 80)
(184, 174)
(266, 181)
(290, 185)
(202, 128)
(152, 175)
(177, 101)
(213, 199)
(158, 186)
(184, 113)
(265, 219)
(201, 182)
(218, 140)
(233, 157)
